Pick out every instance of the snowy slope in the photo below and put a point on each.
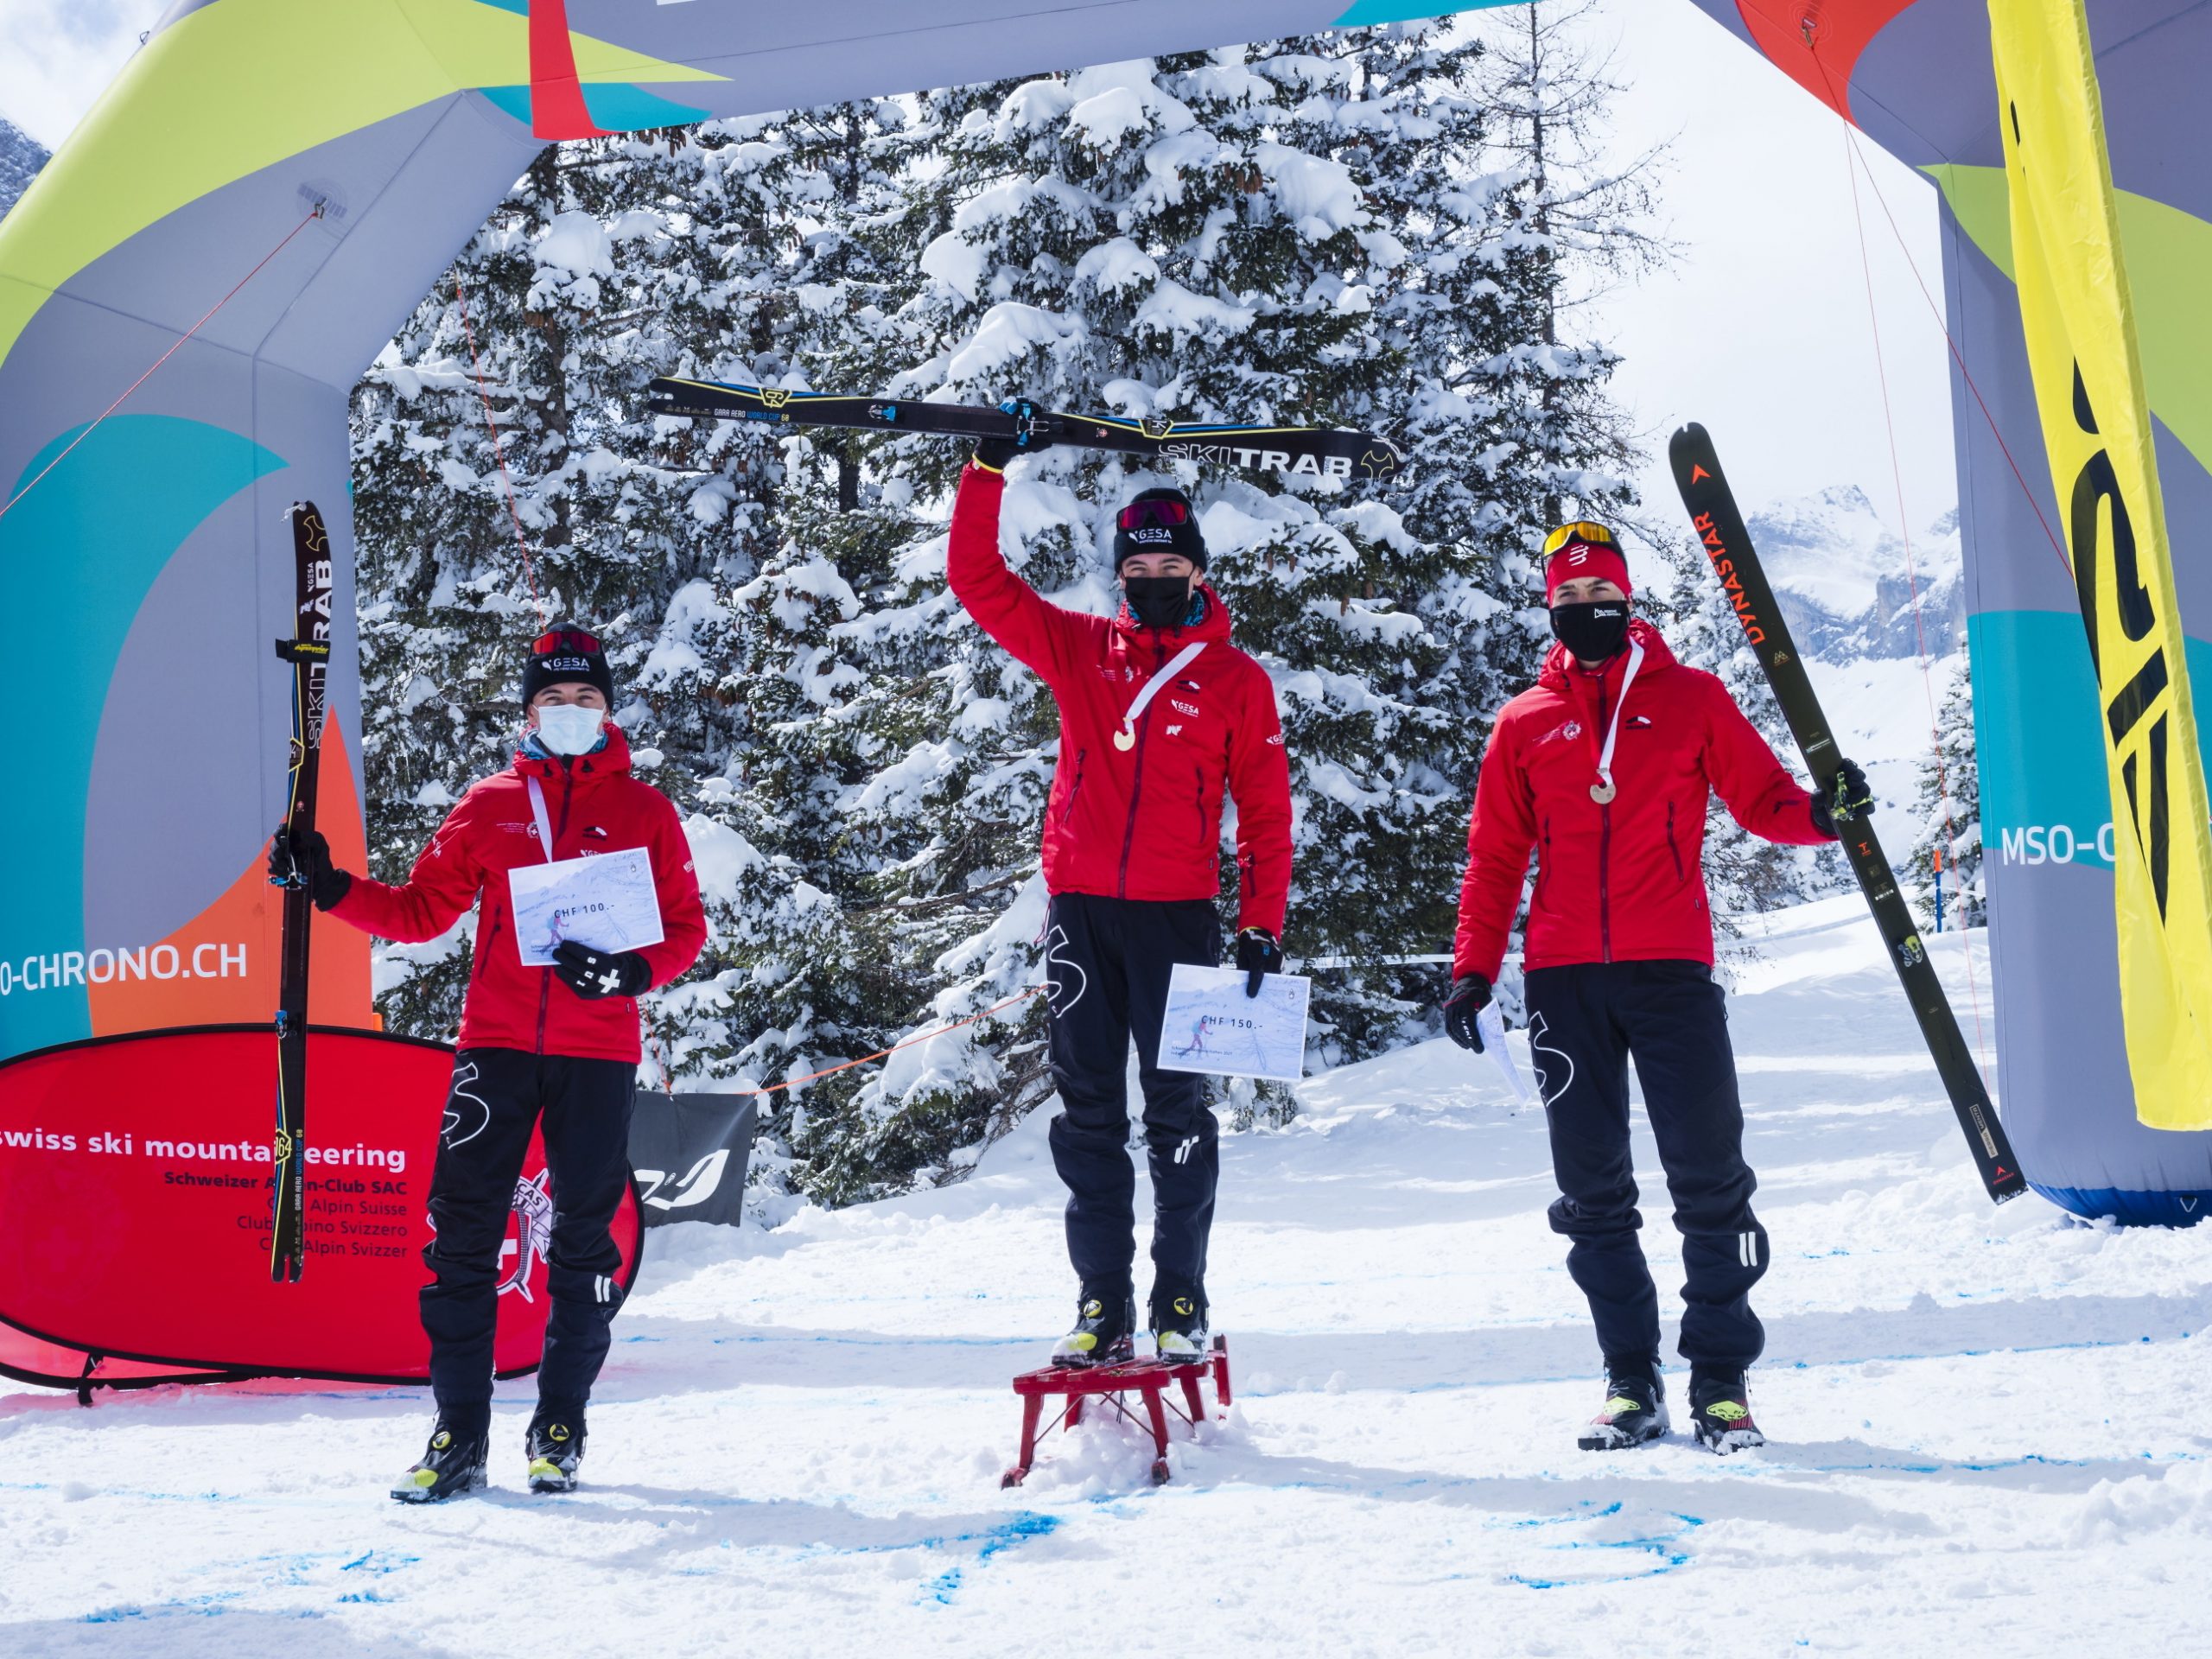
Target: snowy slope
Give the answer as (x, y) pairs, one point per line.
(21, 158)
(1990, 1424)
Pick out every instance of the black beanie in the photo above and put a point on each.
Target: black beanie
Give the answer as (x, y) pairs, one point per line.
(1182, 538)
(562, 655)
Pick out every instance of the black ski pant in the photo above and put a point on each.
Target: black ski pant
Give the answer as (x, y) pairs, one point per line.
(1107, 963)
(1586, 1023)
(499, 1094)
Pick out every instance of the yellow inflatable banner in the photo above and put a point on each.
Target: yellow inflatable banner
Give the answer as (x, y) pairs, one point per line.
(2080, 323)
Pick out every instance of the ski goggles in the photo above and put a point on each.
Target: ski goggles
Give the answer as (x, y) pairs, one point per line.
(1166, 514)
(556, 641)
(1595, 534)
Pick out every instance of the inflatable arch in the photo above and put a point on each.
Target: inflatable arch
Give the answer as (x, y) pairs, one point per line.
(351, 146)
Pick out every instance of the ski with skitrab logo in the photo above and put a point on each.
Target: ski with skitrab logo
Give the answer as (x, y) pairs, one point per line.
(308, 652)
(1316, 452)
(1728, 549)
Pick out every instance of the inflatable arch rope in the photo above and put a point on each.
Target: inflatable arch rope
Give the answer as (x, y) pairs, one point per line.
(351, 145)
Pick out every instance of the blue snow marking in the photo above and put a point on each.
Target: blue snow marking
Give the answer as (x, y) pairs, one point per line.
(205, 1606)
(1663, 1546)
(946, 1585)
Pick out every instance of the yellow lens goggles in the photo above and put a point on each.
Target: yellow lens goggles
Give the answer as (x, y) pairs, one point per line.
(1596, 535)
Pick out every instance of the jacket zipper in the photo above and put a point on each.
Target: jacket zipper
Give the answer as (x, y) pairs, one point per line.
(1201, 778)
(492, 938)
(1673, 851)
(1604, 854)
(545, 974)
(1067, 812)
(1543, 867)
(1136, 784)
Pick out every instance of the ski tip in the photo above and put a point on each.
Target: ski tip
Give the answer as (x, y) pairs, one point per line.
(1690, 450)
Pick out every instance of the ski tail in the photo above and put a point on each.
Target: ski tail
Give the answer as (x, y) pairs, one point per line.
(1727, 545)
(1316, 452)
(307, 652)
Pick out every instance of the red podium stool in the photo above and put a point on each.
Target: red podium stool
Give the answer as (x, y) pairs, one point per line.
(1147, 1378)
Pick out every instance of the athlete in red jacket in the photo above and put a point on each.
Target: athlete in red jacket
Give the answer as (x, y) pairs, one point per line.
(1603, 769)
(559, 1042)
(1161, 719)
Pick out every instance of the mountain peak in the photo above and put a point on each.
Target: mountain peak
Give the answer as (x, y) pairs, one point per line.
(1846, 580)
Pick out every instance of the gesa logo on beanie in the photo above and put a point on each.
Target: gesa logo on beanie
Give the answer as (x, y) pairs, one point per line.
(567, 665)
(1150, 533)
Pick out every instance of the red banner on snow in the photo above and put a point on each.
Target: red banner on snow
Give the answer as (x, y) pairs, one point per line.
(134, 1209)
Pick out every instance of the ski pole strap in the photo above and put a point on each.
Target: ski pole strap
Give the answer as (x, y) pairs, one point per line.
(545, 824)
(1612, 726)
(1176, 664)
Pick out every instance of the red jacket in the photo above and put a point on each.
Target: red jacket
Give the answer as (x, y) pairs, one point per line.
(1622, 882)
(1143, 823)
(594, 806)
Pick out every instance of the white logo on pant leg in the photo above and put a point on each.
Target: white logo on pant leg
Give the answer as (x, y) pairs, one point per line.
(1539, 1028)
(457, 1116)
(1055, 942)
(533, 1221)
(1747, 1248)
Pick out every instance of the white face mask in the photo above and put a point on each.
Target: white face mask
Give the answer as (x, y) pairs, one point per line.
(569, 727)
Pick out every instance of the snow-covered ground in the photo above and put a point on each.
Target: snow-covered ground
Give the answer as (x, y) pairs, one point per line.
(1989, 1425)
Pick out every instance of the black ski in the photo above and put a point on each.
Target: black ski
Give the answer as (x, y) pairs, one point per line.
(1728, 547)
(308, 652)
(1319, 452)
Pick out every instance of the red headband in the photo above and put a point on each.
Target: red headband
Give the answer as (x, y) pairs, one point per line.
(1579, 559)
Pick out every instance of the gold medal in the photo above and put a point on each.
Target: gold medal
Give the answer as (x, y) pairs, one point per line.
(1603, 793)
(1125, 739)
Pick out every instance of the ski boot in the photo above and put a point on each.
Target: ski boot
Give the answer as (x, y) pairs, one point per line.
(1721, 1412)
(1102, 1334)
(1179, 1325)
(452, 1464)
(555, 1445)
(1635, 1412)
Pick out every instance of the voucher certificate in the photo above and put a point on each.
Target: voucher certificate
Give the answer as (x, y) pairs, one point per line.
(607, 902)
(1211, 1025)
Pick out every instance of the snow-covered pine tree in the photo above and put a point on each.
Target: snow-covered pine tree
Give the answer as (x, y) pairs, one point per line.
(1947, 813)
(1302, 231)
(577, 291)
(21, 158)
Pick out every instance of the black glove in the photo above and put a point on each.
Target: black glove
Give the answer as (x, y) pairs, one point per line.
(1469, 996)
(995, 453)
(1848, 801)
(1258, 954)
(594, 973)
(301, 858)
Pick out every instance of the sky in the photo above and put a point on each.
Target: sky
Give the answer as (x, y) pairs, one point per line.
(1760, 328)
(56, 55)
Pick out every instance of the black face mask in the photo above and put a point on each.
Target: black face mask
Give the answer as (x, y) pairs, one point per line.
(1593, 630)
(1157, 602)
